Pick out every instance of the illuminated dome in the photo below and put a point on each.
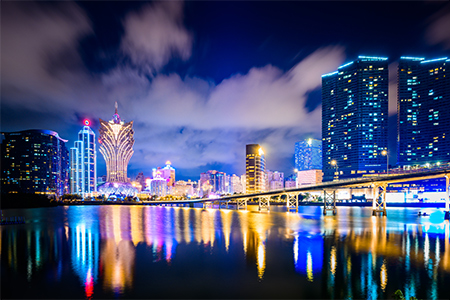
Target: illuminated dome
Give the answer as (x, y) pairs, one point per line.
(168, 162)
(117, 188)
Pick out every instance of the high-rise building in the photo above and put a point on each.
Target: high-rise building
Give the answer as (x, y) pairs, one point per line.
(116, 145)
(236, 184)
(215, 181)
(355, 119)
(168, 173)
(158, 185)
(275, 180)
(308, 155)
(34, 161)
(423, 107)
(83, 162)
(255, 167)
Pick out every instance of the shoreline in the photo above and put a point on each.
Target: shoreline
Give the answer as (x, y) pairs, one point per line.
(165, 204)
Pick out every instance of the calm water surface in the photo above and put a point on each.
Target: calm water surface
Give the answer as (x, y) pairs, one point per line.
(171, 252)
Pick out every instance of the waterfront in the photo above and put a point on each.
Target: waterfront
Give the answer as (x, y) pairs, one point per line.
(177, 252)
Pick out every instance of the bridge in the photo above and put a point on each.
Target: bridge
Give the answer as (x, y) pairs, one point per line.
(377, 184)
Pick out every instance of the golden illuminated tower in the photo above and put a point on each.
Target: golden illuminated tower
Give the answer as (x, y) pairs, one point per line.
(254, 169)
(116, 145)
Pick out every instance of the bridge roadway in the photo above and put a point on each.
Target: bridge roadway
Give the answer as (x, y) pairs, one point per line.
(378, 185)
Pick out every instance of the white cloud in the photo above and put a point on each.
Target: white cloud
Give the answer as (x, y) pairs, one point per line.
(438, 32)
(155, 34)
(264, 106)
(38, 51)
(190, 121)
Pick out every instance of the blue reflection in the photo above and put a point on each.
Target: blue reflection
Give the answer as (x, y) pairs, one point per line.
(308, 254)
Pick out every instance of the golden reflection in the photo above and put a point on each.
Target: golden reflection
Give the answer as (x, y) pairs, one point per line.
(309, 267)
(333, 261)
(187, 225)
(226, 223)
(116, 223)
(349, 266)
(261, 262)
(383, 276)
(137, 234)
(117, 255)
(244, 227)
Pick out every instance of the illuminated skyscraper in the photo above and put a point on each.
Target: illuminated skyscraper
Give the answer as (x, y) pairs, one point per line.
(34, 161)
(83, 162)
(423, 111)
(308, 155)
(168, 173)
(255, 167)
(355, 119)
(116, 145)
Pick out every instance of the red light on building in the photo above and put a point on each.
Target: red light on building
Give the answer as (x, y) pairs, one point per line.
(87, 122)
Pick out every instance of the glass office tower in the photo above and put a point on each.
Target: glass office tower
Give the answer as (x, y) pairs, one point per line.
(355, 119)
(34, 161)
(423, 107)
(308, 155)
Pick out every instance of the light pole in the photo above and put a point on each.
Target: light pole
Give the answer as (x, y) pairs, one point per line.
(385, 153)
(335, 165)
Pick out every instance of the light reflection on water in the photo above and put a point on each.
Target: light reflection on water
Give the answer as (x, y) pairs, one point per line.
(140, 252)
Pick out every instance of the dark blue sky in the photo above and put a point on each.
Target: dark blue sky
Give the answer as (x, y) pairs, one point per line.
(200, 78)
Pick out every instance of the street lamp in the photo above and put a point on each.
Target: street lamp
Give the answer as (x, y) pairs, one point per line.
(335, 165)
(385, 153)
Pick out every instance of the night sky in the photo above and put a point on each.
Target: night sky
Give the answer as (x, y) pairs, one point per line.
(200, 79)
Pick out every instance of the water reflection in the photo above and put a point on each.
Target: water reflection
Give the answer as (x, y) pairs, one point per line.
(111, 248)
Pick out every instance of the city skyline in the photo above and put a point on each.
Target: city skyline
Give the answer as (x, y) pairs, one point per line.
(192, 96)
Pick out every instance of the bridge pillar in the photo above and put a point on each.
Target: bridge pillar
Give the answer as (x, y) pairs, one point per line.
(447, 197)
(241, 204)
(379, 203)
(264, 203)
(329, 202)
(292, 202)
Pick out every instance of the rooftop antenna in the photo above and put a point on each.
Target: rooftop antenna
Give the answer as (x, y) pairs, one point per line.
(116, 108)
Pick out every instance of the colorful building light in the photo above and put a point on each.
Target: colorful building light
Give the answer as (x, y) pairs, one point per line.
(116, 145)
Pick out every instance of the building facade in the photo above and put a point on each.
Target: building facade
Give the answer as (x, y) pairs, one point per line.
(355, 119)
(214, 181)
(158, 186)
(34, 161)
(116, 146)
(255, 166)
(236, 185)
(83, 163)
(423, 111)
(308, 155)
(275, 180)
(309, 177)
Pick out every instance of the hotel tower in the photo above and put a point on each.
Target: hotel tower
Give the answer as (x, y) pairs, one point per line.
(355, 119)
(255, 169)
(116, 145)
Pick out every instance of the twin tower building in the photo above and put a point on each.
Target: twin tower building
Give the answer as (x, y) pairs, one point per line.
(355, 116)
(116, 146)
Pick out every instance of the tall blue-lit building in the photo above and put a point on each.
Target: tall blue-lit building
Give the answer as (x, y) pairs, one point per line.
(34, 161)
(308, 155)
(83, 162)
(355, 119)
(423, 107)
